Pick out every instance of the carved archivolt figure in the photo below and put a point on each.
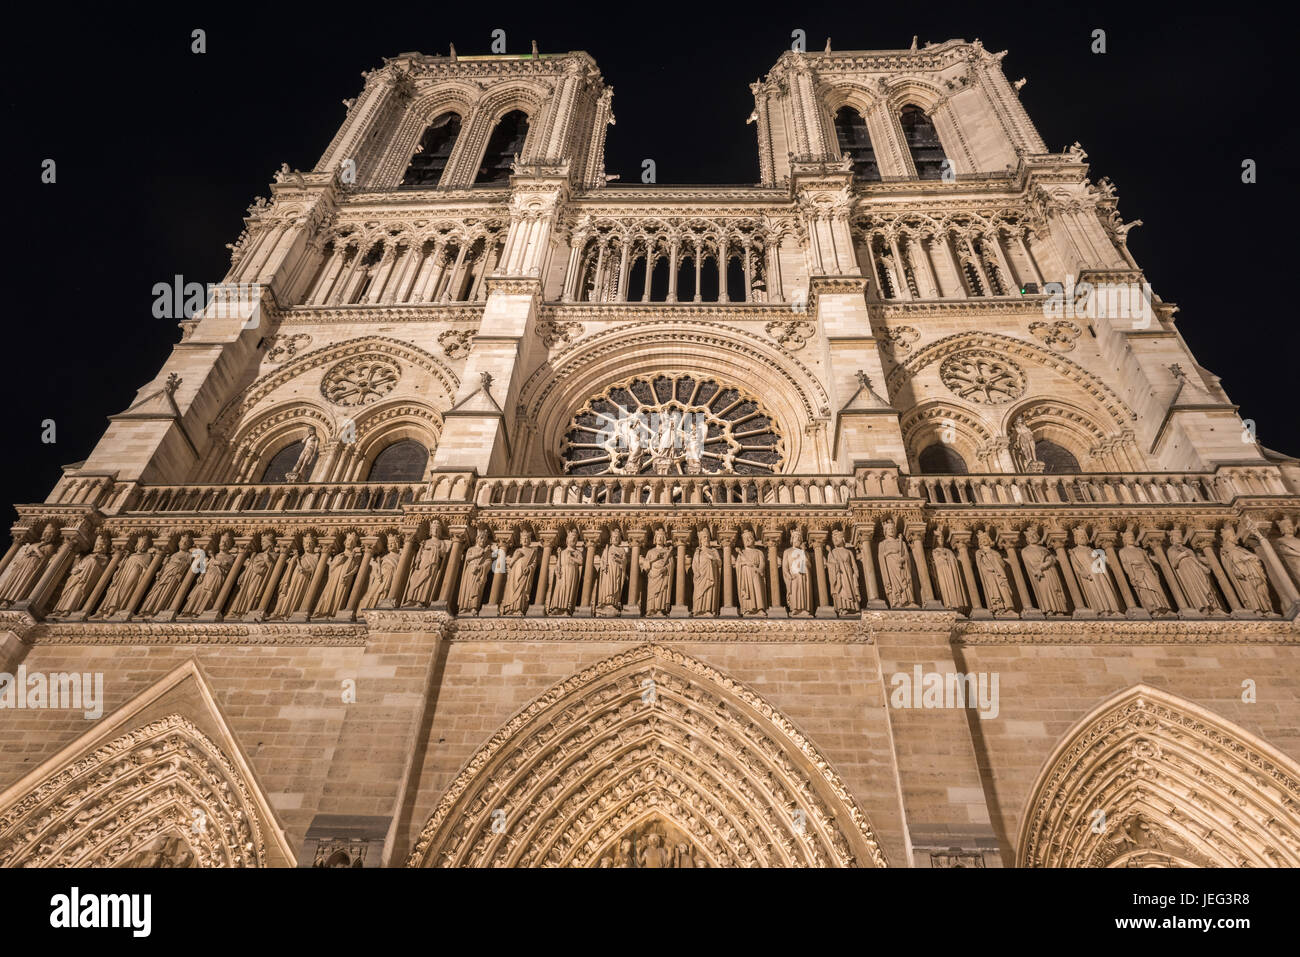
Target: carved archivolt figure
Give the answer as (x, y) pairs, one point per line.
(170, 576)
(1288, 546)
(657, 563)
(1142, 575)
(611, 566)
(474, 573)
(947, 572)
(208, 585)
(383, 570)
(1098, 590)
(1193, 574)
(254, 576)
(706, 564)
(26, 566)
(340, 575)
(519, 574)
(896, 569)
(1044, 578)
(565, 576)
(297, 576)
(85, 576)
(993, 576)
(127, 577)
(654, 854)
(1246, 571)
(842, 569)
(797, 577)
(428, 563)
(751, 576)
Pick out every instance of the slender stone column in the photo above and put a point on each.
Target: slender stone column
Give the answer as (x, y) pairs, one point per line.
(679, 608)
(622, 272)
(1029, 258)
(538, 608)
(904, 290)
(728, 609)
(960, 541)
(722, 271)
(1276, 571)
(493, 607)
(632, 609)
(1057, 542)
(409, 537)
(101, 586)
(272, 583)
(1132, 609)
(673, 251)
(590, 541)
(775, 608)
(1027, 608)
(39, 596)
(1204, 541)
(182, 592)
(825, 609)
(232, 576)
(866, 555)
(323, 552)
(1155, 540)
(699, 265)
(451, 570)
(915, 538)
(349, 611)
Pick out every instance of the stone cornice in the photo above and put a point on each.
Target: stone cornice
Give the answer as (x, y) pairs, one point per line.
(429, 312)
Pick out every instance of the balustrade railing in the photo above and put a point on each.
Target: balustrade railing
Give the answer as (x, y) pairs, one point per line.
(278, 498)
(1155, 488)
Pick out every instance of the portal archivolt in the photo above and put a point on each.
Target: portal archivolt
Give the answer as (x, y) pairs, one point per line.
(648, 751)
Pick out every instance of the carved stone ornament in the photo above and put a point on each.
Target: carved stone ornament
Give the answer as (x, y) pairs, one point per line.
(357, 382)
(286, 346)
(982, 377)
(455, 343)
(898, 341)
(1059, 335)
(791, 334)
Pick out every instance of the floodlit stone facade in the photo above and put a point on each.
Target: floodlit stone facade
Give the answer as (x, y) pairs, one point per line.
(491, 511)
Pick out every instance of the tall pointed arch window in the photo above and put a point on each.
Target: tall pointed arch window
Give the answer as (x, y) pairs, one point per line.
(922, 142)
(430, 159)
(403, 461)
(1056, 459)
(506, 142)
(941, 459)
(855, 143)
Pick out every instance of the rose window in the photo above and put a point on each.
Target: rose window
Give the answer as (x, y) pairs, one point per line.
(672, 425)
(359, 381)
(982, 377)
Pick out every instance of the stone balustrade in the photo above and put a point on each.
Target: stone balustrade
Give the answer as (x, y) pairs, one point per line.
(1153, 488)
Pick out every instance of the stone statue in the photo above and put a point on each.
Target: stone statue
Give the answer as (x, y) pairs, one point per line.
(1193, 574)
(1098, 589)
(428, 563)
(947, 572)
(611, 567)
(25, 568)
(1246, 571)
(1142, 575)
(297, 576)
(253, 578)
(1044, 578)
(1025, 446)
(207, 588)
(519, 574)
(383, 570)
(694, 448)
(565, 577)
(1288, 546)
(302, 467)
(85, 576)
(339, 576)
(842, 569)
(170, 575)
(682, 856)
(654, 854)
(706, 564)
(993, 576)
(126, 578)
(751, 576)
(663, 446)
(474, 573)
(797, 577)
(658, 565)
(895, 568)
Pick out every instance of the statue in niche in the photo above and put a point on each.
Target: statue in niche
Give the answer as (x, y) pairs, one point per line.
(383, 570)
(169, 850)
(428, 563)
(1093, 575)
(635, 441)
(127, 577)
(474, 573)
(253, 578)
(1044, 578)
(302, 467)
(207, 587)
(693, 449)
(1288, 546)
(1246, 571)
(663, 445)
(797, 577)
(895, 568)
(85, 576)
(339, 576)
(682, 856)
(751, 576)
(565, 576)
(519, 574)
(623, 856)
(298, 573)
(170, 576)
(1193, 574)
(947, 572)
(1023, 439)
(25, 567)
(1142, 575)
(706, 565)
(842, 568)
(993, 576)
(654, 854)
(657, 563)
(611, 566)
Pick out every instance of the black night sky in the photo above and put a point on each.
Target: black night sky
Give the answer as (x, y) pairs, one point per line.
(160, 150)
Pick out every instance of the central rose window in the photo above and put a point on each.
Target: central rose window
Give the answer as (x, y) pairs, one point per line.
(672, 425)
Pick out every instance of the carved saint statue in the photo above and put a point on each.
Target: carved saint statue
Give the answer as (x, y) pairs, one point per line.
(1142, 575)
(428, 563)
(169, 579)
(694, 447)
(797, 577)
(663, 445)
(253, 578)
(26, 566)
(1044, 578)
(474, 573)
(339, 576)
(296, 578)
(128, 575)
(751, 576)
(947, 572)
(1288, 546)
(611, 567)
(519, 574)
(302, 467)
(1093, 575)
(565, 576)
(842, 569)
(895, 569)
(85, 576)
(207, 587)
(1193, 574)
(706, 566)
(1246, 571)
(657, 563)
(993, 576)
(1024, 442)
(383, 569)
(654, 854)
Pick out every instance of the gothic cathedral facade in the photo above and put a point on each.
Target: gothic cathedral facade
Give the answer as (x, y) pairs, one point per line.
(493, 512)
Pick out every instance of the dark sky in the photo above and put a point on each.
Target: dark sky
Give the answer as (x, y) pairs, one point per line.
(160, 150)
